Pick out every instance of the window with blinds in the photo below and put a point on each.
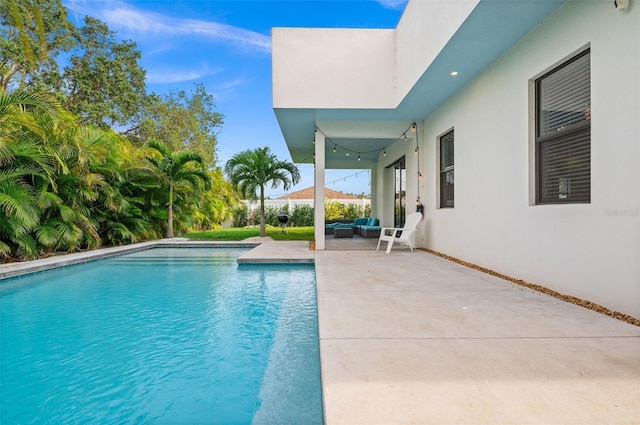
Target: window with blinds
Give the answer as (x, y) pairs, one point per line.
(563, 133)
(446, 170)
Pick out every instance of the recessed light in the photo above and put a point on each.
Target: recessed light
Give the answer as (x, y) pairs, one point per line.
(453, 73)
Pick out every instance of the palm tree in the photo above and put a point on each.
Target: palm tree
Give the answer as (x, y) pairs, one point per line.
(177, 170)
(251, 170)
(25, 169)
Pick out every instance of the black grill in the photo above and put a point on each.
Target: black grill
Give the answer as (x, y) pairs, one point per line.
(283, 219)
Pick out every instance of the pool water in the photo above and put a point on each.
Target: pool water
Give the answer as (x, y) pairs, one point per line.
(162, 336)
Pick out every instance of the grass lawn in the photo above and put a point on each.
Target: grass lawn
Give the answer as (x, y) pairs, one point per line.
(238, 234)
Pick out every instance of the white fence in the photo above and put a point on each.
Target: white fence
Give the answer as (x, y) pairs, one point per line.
(278, 203)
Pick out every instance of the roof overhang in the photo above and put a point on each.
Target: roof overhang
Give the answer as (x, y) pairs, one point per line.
(487, 32)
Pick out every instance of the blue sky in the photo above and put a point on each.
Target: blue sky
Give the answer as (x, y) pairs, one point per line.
(226, 45)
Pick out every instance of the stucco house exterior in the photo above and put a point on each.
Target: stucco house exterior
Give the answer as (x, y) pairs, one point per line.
(514, 124)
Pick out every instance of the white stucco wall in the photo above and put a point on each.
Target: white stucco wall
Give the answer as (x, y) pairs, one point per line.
(591, 251)
(362, 68)
(326, 68)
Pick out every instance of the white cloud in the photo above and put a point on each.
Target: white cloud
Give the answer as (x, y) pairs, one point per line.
(172, 75)
(233, 83)
(129, 20)
(393, 4)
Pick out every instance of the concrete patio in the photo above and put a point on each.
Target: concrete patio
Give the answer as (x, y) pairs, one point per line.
(411, 338)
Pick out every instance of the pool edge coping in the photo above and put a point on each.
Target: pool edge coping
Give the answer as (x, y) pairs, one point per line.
(10, 270)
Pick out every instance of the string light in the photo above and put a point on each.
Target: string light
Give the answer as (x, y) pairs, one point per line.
(412, 127)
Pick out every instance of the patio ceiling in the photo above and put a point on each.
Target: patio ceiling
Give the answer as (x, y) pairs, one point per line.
(489, 31)
(366, 139)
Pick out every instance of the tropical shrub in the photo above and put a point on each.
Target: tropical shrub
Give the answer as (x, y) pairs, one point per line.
(240, 216)
(302, 215)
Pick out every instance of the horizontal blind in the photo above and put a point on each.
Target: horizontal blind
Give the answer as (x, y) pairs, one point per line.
(447, 161)
(563, 139)
(446, 151)
(447, 186)
(565, 168)
(565, 97)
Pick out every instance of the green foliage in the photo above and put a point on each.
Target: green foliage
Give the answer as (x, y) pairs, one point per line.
(64, 186)
(32, 34)
(271, 215)
(104, 83)
(302, 215)
(67, 181)
(251, 170)
(240, 216)
(335, 210)
(332, 210)
(181, 121)
(239, 234)
(353, 211)
(179, 173)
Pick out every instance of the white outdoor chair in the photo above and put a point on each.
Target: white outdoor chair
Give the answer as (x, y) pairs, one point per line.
(407, 237)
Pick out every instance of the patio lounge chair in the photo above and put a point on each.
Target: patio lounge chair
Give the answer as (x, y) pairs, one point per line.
(404, 236)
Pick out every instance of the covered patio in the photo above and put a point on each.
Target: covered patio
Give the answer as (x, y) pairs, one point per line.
(357, 98)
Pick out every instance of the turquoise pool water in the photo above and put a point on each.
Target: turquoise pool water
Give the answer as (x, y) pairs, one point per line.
(162, 336)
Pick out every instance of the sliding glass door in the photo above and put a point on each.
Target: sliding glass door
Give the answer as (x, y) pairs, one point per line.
(400, 200)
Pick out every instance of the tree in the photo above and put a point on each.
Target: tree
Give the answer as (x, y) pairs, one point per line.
(104, 83)
(177, 170)
(181, 121)
(32, 34)
(215, 204)
(251, 170)
(26, 167)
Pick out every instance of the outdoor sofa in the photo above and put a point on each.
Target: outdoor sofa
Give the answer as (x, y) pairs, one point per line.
(366, 227)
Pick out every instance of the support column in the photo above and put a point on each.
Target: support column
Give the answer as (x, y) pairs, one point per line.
(318, 184)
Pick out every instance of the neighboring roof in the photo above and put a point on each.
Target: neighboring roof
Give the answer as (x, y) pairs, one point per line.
(308, 193)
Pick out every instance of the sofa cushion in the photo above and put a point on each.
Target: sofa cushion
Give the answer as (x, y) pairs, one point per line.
(360, 221)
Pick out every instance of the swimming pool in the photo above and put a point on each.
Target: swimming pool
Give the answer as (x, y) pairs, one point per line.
(166, 336)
